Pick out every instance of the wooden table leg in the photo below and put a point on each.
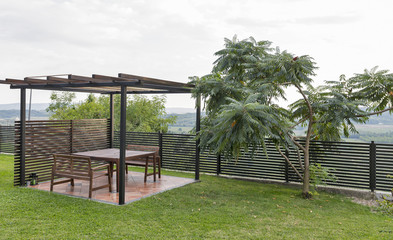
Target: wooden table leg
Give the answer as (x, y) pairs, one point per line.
(154, 166)
(111, 169)
(146, 168)
(117, 177)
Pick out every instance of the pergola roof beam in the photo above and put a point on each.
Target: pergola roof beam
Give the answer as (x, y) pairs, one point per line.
(99, 84)
(63, 80)
(65, 89)
(54, 75)
(87, 79)
(70, 85)
(113, 79)
(154, 80)
(15, 81)
(31, 80)
(141, 92)
(170, 88)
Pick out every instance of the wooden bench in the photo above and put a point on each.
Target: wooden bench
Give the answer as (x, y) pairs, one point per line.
(79, 167)
(145, 162)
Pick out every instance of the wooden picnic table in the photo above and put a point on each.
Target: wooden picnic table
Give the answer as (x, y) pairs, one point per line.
(112, 155)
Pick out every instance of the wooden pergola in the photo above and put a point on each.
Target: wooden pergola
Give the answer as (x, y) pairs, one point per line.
(123, 84)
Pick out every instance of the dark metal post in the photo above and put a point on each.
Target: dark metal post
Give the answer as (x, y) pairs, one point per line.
(373, 160)
(1, 138)
(111, 120)
(71, 136)
(160, 145)
(22, 136)
(286, 167)
(218, 164)
(31, 94)
(197, 128)
(123, 113)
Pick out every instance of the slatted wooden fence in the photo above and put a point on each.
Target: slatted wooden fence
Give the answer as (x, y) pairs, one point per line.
(384, 167)
(7, 138)
(44, 138)
(351, 163)
(356, 165)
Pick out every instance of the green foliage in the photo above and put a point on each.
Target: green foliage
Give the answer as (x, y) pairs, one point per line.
(334, 114)
(242, 125)
(148, 115)
(249, 76)
(143, 114)
(320, 175)
(385, 206)
(373, 86)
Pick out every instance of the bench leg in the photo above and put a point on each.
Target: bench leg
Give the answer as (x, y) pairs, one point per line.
(159, 168)
(154, 167)
(146, 166)
(90, 186)
(51, 182)
(111, 168)
(109, 179)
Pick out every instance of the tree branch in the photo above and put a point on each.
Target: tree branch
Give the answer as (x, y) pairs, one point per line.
(301, 121)
(290, 163)
(298, 144)
(304, 97)
(300, 160)
(310, 116)
(374, 113)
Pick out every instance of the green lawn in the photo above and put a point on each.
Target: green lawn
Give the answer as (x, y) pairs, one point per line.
(215, 208)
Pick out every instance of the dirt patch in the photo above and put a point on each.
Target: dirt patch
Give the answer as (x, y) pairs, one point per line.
(365, 202)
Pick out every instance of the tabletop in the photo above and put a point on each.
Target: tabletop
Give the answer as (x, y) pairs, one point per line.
(113, 154)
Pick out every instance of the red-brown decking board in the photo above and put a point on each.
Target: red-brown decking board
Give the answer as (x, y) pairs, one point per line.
(135, 188)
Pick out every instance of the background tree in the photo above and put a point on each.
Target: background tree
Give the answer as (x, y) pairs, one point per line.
(143, 114)
(247, 81)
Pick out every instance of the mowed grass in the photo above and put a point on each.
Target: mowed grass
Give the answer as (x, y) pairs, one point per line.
(215, 208)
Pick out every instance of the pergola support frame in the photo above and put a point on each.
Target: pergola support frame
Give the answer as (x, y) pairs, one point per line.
(123, 84)
(22, 137)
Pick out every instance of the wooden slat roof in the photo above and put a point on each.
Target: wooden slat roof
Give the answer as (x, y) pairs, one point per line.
(99, 84)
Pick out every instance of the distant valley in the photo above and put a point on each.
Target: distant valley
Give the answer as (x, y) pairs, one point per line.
(378, 128)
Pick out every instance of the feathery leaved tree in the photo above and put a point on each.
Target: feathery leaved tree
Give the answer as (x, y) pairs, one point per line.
(249, 78)
(143, 114)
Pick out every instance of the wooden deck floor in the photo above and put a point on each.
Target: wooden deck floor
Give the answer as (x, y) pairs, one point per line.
(135, 187)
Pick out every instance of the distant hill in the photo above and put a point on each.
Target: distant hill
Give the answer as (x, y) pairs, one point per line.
(385, 119)
(184, 123)
(16, 106)
(12, 114)
(179, 110)
(44, 106)
(184, 120)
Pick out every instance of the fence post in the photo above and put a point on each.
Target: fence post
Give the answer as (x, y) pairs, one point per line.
(373, 159)
(71, 135)
(160, 145)
(197, 130)
(218, 164)
(22, 144)
(1, 140)
(286, 167)
(111, 120)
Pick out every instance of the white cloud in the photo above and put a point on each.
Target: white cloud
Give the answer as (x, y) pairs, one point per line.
(177, 39)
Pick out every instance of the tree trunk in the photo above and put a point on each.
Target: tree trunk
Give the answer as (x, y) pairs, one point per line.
(306, 175)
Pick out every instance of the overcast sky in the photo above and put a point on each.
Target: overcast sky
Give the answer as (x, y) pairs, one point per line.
(173, 40)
